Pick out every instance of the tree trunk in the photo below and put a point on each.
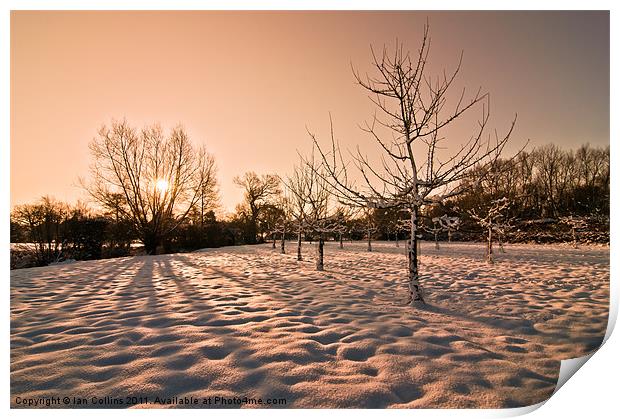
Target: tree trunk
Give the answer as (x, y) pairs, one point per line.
(490, 246)
(397, 245)
(150, 241)
(419, 251)
(449, 236)
(415, 289)
(436, 241)
(299, 245)
(319, 254)
(341, 245)
(369, 242)
(574, 237)
(282, 243)
(252, 231)
(501, 244)
(273, 240)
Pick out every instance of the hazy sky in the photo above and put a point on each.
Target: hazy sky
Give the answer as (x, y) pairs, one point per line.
(247, 84)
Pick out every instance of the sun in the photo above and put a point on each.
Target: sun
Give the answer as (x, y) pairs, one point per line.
(161, 185)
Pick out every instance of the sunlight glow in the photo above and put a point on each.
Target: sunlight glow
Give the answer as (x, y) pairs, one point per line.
(161, 185)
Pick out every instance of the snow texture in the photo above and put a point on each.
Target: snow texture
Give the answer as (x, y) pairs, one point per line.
(249, 321)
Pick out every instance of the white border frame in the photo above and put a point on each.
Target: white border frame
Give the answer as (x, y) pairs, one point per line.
(592, 392)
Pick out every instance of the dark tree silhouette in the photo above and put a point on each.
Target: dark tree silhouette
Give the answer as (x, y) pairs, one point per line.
(258, 191)
(159, 178)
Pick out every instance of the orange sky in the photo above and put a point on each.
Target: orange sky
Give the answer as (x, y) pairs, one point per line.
(247, 84)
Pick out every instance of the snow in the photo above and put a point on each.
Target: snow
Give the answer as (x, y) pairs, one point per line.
(248, 321)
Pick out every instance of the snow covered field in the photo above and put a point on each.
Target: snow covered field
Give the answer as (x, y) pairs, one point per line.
(248, 321)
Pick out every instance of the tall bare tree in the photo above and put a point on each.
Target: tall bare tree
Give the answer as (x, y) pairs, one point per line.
(412, 115)
(309, 183)
(258, 191)
(159, 178)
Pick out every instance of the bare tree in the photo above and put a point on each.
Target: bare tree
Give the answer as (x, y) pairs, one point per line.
(553, 174)
(441, 224)
(283, 222)
(318, 217)
(160, 178)
(575, 223)
(413, 111)
(259, 190)
(45, 225)
(501, 229)
(297, 191)
(449, 224)
(370, 226)
(399, 225)
(208, 200)
(435, 230)
(270, 220)
(491, 218)
(313, 208)
(342, 215)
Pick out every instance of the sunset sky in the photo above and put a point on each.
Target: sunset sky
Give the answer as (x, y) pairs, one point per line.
(247, 84)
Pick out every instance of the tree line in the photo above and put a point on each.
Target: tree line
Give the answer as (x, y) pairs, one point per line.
(547, 182)
(543, 186)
